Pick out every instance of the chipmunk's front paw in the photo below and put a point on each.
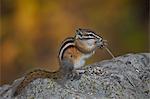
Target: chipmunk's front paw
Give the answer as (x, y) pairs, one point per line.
(74, 75)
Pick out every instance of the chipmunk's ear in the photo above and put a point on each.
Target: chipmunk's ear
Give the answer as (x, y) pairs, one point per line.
(78, 33)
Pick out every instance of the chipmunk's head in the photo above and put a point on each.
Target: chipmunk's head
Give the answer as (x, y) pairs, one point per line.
(87, 40)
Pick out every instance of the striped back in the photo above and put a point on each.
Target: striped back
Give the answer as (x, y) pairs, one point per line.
(68, 42)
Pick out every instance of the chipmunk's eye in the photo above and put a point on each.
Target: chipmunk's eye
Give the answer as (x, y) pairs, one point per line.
(78, 33)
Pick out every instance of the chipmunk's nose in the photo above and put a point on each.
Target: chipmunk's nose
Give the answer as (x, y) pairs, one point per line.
(100, 43)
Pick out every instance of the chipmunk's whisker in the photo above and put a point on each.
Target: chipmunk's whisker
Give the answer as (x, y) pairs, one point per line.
(105, 41)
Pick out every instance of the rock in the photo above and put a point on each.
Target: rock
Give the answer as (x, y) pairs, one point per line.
(124, 77)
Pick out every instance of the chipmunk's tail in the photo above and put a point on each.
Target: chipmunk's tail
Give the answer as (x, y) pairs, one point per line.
(38, 73)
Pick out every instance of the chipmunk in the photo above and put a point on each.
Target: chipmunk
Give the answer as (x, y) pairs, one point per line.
(72, 55)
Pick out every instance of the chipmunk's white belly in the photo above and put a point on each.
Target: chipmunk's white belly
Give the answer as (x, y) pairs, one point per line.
(81, 61)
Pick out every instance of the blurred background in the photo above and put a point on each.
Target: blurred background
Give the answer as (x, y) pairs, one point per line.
(32, 30)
